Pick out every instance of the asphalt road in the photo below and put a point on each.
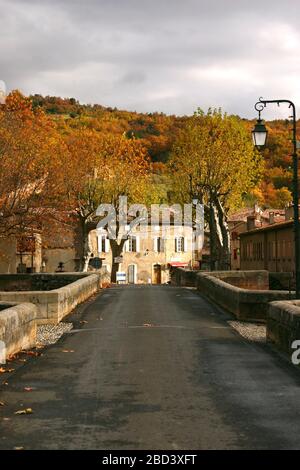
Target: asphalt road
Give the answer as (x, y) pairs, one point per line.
(153, 368)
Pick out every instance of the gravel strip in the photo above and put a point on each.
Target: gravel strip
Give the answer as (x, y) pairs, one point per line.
(50, 334)
(255, 332)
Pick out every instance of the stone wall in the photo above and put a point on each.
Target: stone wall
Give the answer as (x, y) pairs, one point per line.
(8, 256)
(281, 281)
(246, 304)
(37, 282)
(66, 255)
(283, 324)
(18, 326)
(183, 277)
(252, 280)
(53, 305)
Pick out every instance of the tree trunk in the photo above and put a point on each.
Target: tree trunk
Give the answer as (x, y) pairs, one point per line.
(116, 250)
(85, 254)
(212, 238)
(218, 236)
(225, 258)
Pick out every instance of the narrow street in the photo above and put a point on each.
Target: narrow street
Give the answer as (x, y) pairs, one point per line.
(153, 367)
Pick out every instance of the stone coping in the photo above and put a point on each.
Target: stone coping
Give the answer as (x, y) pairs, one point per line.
(38, 281)
(245, 304)
(53, 305)
(248, 304)
(283, 325)
(17, 326)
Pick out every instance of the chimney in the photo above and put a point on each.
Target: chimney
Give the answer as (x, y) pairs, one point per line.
(256, 209)
(271, 217)
(289, 212)
(251, 222)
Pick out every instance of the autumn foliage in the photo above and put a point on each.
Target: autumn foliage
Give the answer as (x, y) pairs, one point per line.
(158, 132)
(61, 159)
(30, 155)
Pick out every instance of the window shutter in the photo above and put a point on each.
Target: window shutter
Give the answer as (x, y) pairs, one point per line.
(107, 245)
(176, 245)
(155, 244)
(99, 243)
(137, 243)
(185, 244)
(126, 246)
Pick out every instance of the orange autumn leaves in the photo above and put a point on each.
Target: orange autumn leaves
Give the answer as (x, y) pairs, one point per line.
(30, 161)
(45, 170)
(100, 167)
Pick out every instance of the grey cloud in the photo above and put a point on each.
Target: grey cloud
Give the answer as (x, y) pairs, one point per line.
(166, 55)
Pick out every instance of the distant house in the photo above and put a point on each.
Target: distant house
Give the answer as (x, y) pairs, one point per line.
(21, 253)
(148, 256)
(61, 248)
(32, 251)
(247, 220)
(270, 247)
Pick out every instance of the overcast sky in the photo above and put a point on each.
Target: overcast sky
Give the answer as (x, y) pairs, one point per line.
(154, 55)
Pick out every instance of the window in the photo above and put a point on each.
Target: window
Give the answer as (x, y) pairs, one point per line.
(249, 251)
(254, 251)
(132, 244)
(279, 249)
(260, 251)
(234, 235)
(244, 251)
(179, 244)
(159, 244)
(103, 244)
(274, 250)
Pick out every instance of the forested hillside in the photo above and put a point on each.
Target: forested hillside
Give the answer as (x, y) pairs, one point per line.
(157, 132)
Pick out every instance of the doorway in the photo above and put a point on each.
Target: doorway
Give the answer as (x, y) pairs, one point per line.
(157, 274)
(132, 272)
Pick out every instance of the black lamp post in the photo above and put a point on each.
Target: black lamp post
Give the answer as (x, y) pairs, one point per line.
(259, 135)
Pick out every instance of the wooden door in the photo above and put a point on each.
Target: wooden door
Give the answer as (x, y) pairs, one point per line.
(157, 274)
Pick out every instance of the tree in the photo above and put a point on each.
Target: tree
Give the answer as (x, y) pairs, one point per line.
(99, 169)
(30, 150)
(213, 160)
(128, 175)
(83, 176)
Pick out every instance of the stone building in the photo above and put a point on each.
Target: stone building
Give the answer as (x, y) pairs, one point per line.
(270, 247)
(149, 255)
(35, 252)
(246, 220)
(21, 254)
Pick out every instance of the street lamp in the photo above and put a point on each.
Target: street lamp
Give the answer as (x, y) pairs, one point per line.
(259, 135)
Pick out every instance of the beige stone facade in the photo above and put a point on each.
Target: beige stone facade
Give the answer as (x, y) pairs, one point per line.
(52, 257)
(15, 255)
(148, 256)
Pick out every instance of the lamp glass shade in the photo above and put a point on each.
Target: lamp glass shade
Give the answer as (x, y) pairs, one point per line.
(259, 134)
